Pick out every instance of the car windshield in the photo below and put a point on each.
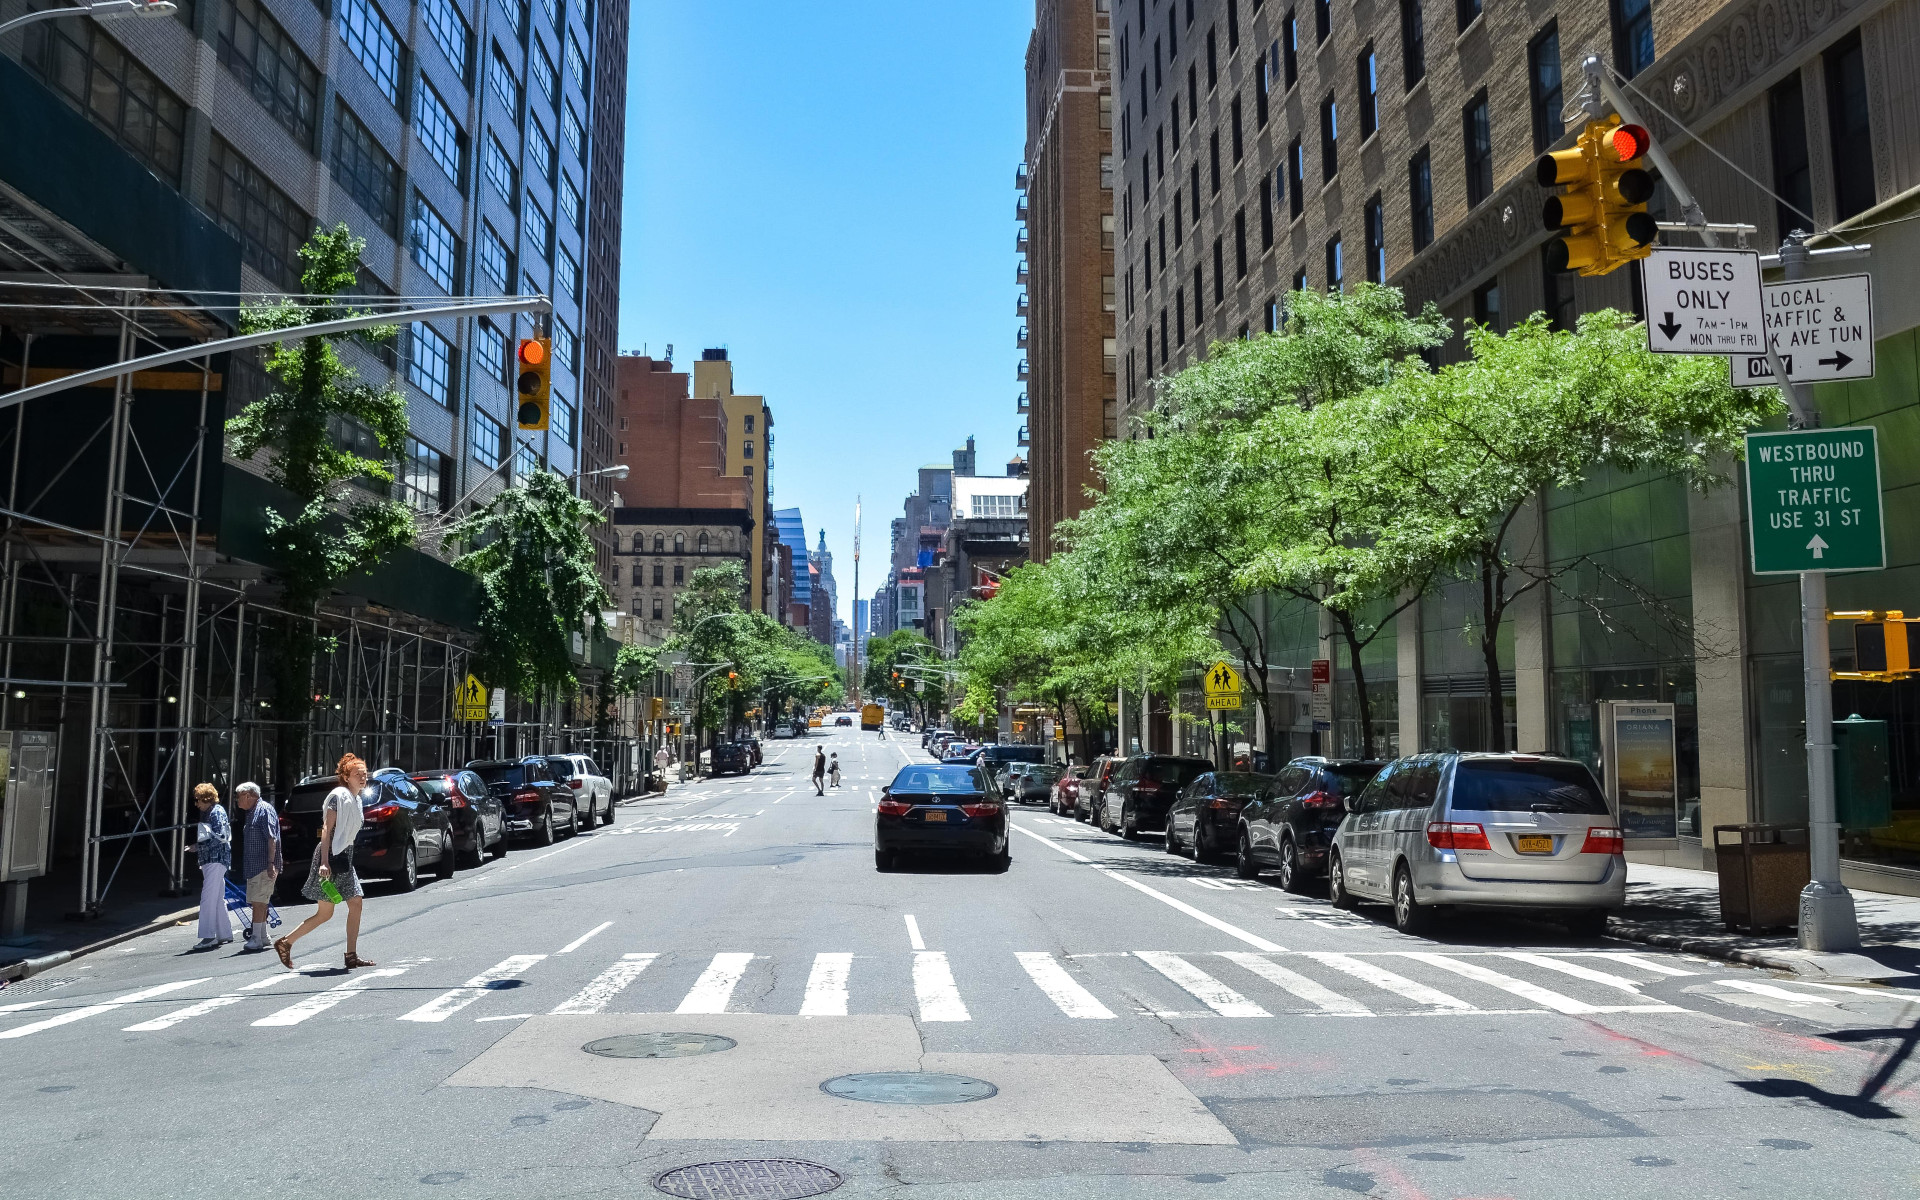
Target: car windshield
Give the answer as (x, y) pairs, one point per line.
(435, 786)
(513, 773)
(1503, 785)
(937, 781)
(562, 768)
(1347, 779)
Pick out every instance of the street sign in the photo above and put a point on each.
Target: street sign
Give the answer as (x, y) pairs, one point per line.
(682, 679)
(1821, 328)
(470, 701)
(1222, 685)
(1320, 704)
(497, 707)
(1703, 301)
(1813, 501)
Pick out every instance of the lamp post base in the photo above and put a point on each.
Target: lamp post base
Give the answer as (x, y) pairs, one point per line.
(1827, 920)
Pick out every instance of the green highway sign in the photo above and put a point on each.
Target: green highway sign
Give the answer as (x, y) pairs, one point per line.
(1813, 501)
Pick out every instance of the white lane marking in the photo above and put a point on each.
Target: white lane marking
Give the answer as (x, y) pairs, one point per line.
(609, 983)
(1400, 985)
(827, 986)
(23, 1005)
(169, 1020)
(1759, 989)
(1860, 992)
(1643, 961)
(1629, 986)
(1062, 988)
(454, 999)
(933, 985)
(515, 866)
(509, 1017)
(1529, 991)
(1202, 986)
(714, 988)
(320, 1002)
(1312, 991)
(580, 941)
(1231, 930)
(106, 1006)
(913, 933)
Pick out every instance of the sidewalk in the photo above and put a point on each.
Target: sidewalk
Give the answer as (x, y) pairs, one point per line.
(1680, 909)
(133, 907)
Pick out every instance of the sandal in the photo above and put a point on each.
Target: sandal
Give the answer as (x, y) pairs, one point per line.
(284, 948)
(354, 960)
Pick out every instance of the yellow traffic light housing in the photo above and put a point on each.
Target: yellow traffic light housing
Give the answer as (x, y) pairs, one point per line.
(533, 374)
(1884, 645)
(1602, 216)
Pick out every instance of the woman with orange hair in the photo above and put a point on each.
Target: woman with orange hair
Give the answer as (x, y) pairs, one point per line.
(332, 878)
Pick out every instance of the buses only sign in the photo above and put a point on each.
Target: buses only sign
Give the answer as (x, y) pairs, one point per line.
(1813, 501)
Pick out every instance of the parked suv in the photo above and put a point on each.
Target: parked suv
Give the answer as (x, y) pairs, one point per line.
(479, 823)
(1205, 819)
(1523, 832)
(1093, 789)
(1291, 829)
(592, 791)
(534, 804)
(403, 828)
(1140, 793)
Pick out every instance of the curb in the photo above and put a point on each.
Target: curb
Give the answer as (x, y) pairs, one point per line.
(1705, 947)
(29, 967)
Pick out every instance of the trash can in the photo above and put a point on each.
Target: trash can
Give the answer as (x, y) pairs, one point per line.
(1762, 871)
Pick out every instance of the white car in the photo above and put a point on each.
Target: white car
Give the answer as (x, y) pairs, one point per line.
(592, 791)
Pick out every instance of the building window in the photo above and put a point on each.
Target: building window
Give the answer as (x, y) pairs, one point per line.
(256, 50)
(89, 71)
(1543, 82)
(569, 202)
(566, 346)
(1239, 140)
(1180, 314)
(505, 85)
(1263, 78)
(703, 543)
(1369, 81)
(1556, 292)
(496, 263)
(1413, 42)
(1336, 269)
(373, 41)
(1109, 355)
(439, 133)
(432, 245)
(1322, 20)
(365, 170)
(1108, 294)
(422, 481)
(489, 441)
(260, 216)
(1376, 221)
(526, 463)
(1486, 305)
(679, 571)
(1290, 44)
(656, 600)
(1329, 140)
(567, 272)
(1240, 244)
(1792, 171)
(575, 134)
(539, 227)
(449, 30)
(659, 571)
(430, 363)
(659, 544)
(1632, 35)
(516, 11)
(1266, 210)
(560, 418)
(1848, 128)
(1179, 226)
(1296, 178)
(1420, 198)
(1273, 314)
(500, 170)
(1233, 24)
(490, 350)
(576, 61)
(1106, 231)
(540, 151)
(1465, 12)
(1476, 132)
(1219, 272)
(545, 77)
(1106, 172)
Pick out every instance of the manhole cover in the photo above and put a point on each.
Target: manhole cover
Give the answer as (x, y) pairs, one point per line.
(749, 1179)
(909, 1087)
(39, 983)
(662, 1045)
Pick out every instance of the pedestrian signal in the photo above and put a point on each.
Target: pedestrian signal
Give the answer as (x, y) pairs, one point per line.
(1602, 216)
(534, 369)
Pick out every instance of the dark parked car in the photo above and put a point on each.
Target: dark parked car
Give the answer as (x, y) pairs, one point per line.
(962, 754)
(998, 756)
(1139, 794)
(940, 810)
(1093, 789)
(731, 757)
(479, 824)
(753, 748)
(1205, 820)
(404, 829)
(532, 801)
(1291, 831)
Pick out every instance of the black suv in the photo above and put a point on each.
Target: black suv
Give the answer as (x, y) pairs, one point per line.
(1205, 820)
(1291, 829)
(732, 756)
(402, 829)
(1140, 792)
(531, 801)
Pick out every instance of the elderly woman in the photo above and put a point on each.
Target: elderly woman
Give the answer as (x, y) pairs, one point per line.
(331, 878)
(215, 853)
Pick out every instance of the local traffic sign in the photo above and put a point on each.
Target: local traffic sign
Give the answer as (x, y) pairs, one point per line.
(1813, 501)
(1703, 301)
(1222, 686)
(470, 701)
(1821, 328)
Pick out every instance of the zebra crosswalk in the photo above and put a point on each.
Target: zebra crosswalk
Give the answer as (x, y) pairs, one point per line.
(937, 986)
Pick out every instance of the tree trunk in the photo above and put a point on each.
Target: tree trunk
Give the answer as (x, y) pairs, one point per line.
(1492, 606)
(1365, 702)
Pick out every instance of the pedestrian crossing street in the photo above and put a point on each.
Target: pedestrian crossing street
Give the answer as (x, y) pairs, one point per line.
(938, 988)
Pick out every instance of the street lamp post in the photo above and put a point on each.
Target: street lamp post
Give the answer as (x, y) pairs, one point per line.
(104, 10)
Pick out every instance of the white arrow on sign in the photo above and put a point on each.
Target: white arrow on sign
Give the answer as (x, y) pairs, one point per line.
(1818, 545)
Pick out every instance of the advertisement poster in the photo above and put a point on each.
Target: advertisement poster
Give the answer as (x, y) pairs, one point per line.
(1644, 771)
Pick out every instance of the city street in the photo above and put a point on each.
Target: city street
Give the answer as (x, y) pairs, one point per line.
(1151, 1027)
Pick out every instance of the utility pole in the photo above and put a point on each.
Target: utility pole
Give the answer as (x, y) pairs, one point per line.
(853, 655)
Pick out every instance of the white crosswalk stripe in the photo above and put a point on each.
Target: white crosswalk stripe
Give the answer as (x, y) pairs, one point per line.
(94, 1010)
(714, 988)
(1578, 971)
(453, 1000)
(1200, 985)
(611, 982)
(313, 1006)
(1527, 991)
(169, 1020)
(1062, 988)
(933, 986)
(1312, 991)
(827, 986)
(1399, 985)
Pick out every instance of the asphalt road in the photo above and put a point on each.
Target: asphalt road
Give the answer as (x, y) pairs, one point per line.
(1152, 1027)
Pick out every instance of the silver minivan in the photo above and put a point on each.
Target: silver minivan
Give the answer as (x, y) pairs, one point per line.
(1517, 831)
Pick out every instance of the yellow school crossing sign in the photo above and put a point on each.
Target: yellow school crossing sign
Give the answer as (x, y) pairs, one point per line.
(470, 701)
(1223, 686)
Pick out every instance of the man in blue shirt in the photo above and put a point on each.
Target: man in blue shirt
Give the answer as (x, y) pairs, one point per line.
(260, 846)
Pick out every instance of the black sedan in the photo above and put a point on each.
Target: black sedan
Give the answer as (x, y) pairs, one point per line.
(402, 829)
(1291, 830)
(944, 810)
(1205, 820)
(734, 757)
(530, 799)
(479, 823)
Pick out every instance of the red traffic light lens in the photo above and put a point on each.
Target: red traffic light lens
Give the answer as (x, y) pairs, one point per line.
(1630, 142)
(532, 352)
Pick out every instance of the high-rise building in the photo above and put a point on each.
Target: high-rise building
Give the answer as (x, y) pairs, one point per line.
(820, 613)
(1066, 205)
(748, 448)
(792, 532)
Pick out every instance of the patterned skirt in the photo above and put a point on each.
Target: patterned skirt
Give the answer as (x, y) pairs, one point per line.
(344, 877)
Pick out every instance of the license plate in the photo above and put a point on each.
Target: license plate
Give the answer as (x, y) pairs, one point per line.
(1533, 843)
(935, 815)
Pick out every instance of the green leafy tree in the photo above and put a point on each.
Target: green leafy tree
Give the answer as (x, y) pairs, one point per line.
(887, 673)
(329, 531)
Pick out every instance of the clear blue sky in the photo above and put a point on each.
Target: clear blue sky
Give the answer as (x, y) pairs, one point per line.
(826, 190)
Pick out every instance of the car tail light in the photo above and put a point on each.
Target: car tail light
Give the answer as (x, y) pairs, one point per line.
(380, 812)
(1147, 787)
(573, 783)
(1320, 800)
(458, 799)
(1604, 840)
(527, 796)
(1451, 835)
(985, 808)
(894, 808)
(1226, 802)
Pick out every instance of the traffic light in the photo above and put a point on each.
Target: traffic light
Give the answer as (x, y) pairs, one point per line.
(1602, 216)
(1885, 645)
(533, 367)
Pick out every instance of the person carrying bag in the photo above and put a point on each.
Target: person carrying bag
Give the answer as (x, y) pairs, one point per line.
(214, 851)
(331, 877)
